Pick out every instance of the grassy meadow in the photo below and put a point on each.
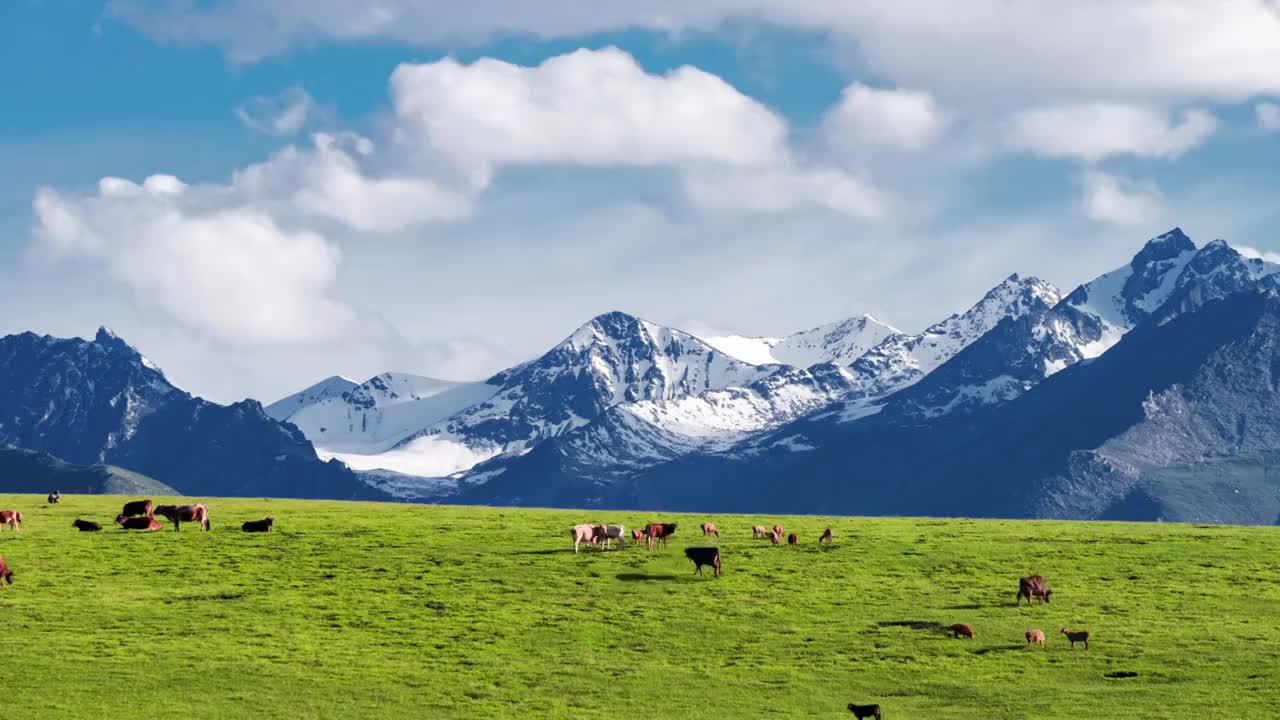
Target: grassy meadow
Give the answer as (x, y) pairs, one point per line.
(369, 610)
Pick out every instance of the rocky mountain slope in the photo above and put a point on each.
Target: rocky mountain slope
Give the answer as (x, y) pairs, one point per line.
(27, 471)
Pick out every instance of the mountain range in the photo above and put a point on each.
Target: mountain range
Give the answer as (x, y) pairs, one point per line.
(1145, 393)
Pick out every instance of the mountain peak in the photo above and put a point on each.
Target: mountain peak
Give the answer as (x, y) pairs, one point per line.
(1163, 247)
(105, 335)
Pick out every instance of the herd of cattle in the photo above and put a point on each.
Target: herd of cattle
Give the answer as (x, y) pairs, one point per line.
(654, 534)
(136, 515)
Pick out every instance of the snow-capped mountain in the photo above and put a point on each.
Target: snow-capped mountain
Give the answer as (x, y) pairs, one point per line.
(615, 358)
(330, 387)
(373, 416)
(840, 343)
(101, 402)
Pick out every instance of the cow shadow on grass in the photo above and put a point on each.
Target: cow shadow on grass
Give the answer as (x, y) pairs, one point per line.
(643, 577)
(915, 625)
(1000, 648)
(970, 606)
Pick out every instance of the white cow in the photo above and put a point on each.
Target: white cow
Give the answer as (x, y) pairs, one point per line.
(615, 532)
(593, 534)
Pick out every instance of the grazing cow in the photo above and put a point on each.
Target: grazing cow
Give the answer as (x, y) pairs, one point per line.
(660, 532)
(12, 518)
(178, 514)
(792, 539)
(614, 532)
(960, 630)
(704, 556)
(710, 529)
(6, 575)
(778, 529)
(263, 525)
(759, 531)
(584, 534)
(145, 522)
(55, 497)
(86, 526)
(1077, 636)
(826, 537)
(1033, 586)
(865, 711)
(775, 537)
(1035, 637)
(137, 507)
(637, 536)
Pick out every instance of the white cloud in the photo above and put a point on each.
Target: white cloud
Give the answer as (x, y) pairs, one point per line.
(1118, 201)
(901, 119)
(1253, 252)
(587, 107)
(326, 181)
(283, 114)
(1093, 132)
(1268, 116)
(985, 50)
(228, 270)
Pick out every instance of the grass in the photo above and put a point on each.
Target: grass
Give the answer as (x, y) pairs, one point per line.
(366, 610)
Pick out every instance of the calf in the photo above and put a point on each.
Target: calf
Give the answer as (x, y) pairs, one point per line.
(960, 630)
(1035, 637)
(6, 575)
(637, 536)
(137, 507)
(263, 525)
(86, 526)
(146, 522)
(826, 537)
(1033, 586)
(865, 711)
(759, 531)
(704, 556)
(1077, 636)
(710, 529)
(792, 539)
(12, 518)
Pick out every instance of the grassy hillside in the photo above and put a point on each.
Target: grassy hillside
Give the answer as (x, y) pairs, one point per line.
(368, 610)
(37, 472)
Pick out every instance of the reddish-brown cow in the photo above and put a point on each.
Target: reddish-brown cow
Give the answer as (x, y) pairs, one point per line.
(146, 522)
(1033, 586)
(12, 518)
(960, 630)
(659, 532)
(178, 514)
(6, 575)
(710, 529)
(792, 539)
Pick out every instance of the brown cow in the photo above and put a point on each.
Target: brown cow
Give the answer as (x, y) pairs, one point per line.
(710, 529)
(1033, 586)
(792, 539)
(960, 630)
(826, 537)
(137, 507)
(704, 556)
(1077, 636)
(865, 711)
(659, 532)
(6, 575)
(177, 514)
(775, 538)
(637, 536)
(263, 525)
(778, 529)
(1035, 637)
(12, 518)
(86, 526)
(759, 531)
(145, 522)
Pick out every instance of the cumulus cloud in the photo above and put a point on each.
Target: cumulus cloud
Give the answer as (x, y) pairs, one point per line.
(599, 108)
(1093, 132)
(226, 269)
(1031, 50)
(1253, 252)
(1268, 115)
(1118, 201)
(867, 116)
(327, 181)
(281, 115)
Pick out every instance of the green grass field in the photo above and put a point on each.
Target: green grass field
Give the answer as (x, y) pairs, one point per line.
(366, 610)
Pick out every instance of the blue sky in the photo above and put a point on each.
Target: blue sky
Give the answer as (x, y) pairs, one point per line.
(528, 169)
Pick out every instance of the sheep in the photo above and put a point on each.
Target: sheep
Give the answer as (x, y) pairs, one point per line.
(1035, 637)
(1076, 636)
(960, 630)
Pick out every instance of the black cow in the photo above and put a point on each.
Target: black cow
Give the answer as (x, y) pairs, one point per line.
(86, 526)
(865, 711)
(263, 525)
(704, 556)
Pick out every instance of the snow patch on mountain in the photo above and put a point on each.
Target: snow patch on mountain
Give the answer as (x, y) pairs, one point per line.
(840, 343)
(329, 387)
